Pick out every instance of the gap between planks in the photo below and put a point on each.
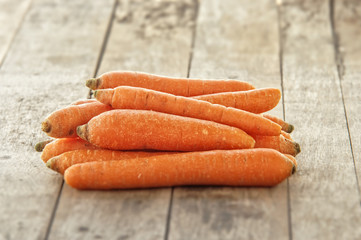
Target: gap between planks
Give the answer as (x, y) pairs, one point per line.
(100, 57)
(340, 71)
(280, 41)
(169, 215)
(2, 60)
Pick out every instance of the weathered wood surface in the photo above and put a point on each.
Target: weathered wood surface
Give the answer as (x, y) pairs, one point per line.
(307, 48)
(324, 198)
(347, 27)
(155, 37)
(228, 45)
(53, 52)
(11, 16)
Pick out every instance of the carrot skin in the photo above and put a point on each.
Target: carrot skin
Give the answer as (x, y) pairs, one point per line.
(65, 160)
(288, 128)
(279, 143)
(144, 99)
(178, 86)
(248, 167)
(255, 101)
(63, 122)
(140, 129)
(286, 135)
(62, 145)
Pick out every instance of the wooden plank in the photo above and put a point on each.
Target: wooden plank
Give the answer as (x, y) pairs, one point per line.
(149, 36)
(347, 19)
(239, 40)
(323, 194)
(11, 16)
(53, 52)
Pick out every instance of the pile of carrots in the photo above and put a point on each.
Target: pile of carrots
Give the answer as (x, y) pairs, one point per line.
(145, 131)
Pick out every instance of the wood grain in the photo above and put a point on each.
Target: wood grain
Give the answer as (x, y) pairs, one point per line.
(239, 40)
(347, 19)
(55, 49)
(11, 16)
(149, 36)
(324, 196)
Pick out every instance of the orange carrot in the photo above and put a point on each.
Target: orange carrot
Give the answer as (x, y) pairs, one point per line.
(293, 159)
(83, 101)
(63, 161)
(279, 143)
(249, 167)
(138, 129)
(285, 126)
(177, 86)
(286, 135)
(62, 123)
(256, 101)
(62, 145)
(145, 99)
(41, 145)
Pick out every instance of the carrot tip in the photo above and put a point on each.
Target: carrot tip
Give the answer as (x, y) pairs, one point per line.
(293, 169)
(82, 131)
(290, 128)
(41, 145)
(50, 162)
(46, 126)
(298, 148)
(92, 83)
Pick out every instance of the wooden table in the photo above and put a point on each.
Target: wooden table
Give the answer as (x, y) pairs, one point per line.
(311, 50)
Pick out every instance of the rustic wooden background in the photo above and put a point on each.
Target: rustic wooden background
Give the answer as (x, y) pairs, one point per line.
(311, 50)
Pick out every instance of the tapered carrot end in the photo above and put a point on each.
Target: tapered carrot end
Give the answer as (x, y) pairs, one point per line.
(46, 126)
(82, 131)
(50, 162)
(290, 128)
(293, 169)
(104, 96)
(298, 148)
(41, 145)
(93, 83)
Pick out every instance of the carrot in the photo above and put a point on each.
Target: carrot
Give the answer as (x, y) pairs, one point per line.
(293, 159)
(286, 135)
(125, 97)
(256, 101)
(249, 167)
(62, 145)
(285, 126)
(63, 161)
(279, 143)
(40, 145)
(138, 129)
(62, 123)
(83, 101)
(177, 86)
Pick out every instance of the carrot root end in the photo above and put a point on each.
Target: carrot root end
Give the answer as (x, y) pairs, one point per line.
(46, 126)
(92, 83)
(290, 128)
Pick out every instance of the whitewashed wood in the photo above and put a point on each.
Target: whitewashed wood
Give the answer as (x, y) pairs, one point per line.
(53, 52)
(234, 39)
(149, 36)
(11, 16)
(347, 19)
(324, 196)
